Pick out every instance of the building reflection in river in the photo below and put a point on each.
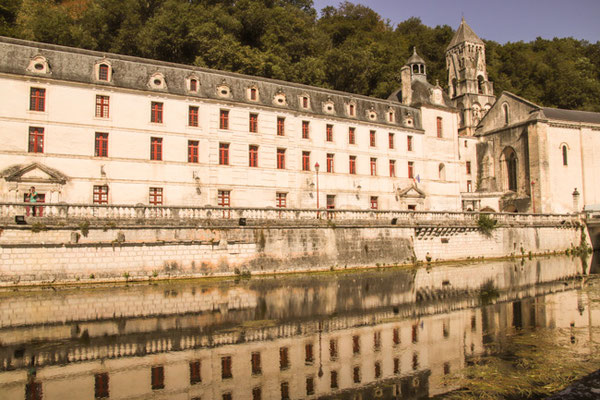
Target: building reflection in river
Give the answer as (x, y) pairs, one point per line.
(377, 334)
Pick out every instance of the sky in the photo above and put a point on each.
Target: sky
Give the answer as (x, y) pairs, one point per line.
(500, 20)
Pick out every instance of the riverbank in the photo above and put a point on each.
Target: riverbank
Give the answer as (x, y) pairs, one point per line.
(584, 389)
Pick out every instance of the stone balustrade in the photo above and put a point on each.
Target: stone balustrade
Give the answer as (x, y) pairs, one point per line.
(146, 214)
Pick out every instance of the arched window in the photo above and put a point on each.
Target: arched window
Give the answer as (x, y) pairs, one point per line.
(415, 69)
(509, 158)
(442, 172)
(454, 87)
(564, 154)
(505, 110)
(480, 84)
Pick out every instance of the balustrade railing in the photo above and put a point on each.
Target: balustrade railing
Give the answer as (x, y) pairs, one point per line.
(145, 213)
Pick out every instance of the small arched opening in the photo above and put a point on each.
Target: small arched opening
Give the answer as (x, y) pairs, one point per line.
(442, 172)
(480, 84)
(505, 111)
(454, 87)
(565, 155)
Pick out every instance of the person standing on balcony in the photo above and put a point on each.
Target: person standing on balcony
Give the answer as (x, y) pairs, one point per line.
(33, 198)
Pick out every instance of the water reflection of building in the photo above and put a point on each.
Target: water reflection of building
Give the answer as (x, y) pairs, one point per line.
(383, 344)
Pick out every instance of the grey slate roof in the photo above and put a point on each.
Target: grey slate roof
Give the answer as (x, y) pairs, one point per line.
(77, 65)
(415, 58)
(464, 33)
(571, 115)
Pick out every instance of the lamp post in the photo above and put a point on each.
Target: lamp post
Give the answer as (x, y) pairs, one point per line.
(317, 171)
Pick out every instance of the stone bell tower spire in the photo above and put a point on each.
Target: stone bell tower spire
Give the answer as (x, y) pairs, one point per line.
(469, 87)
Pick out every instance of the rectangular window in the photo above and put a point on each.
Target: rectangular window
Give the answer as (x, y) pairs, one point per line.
(356, 344)
(334, 380)
(306, 161)
(333, 349)
(256, 368)
(224, 119)
(439, 127)
(469, 186)
(280, 126)
(193, 85)
(224, 200)
(372, 138)
(281, 202)
(253, 92)
(158, 377)
(330, 162)
(329, 133)
(305, 102)
(223, 153)
(193, 151)
(409, 143)
(253, 123)
(101, 144)
(193, 116)
(226, 366)
(284, 359)
(257, 393)
(305, 127)
(331, 201)
(227, 396)
(396, 336)
(411, 169)
(373, 164)
(103, 72)
(308, 355)
(396, 365)
(156, 112)
(100, 194)
(356, 374)
(391, 140)
(101, 386)
(352, 165)
(377, 370)
(415, 333)
(393, 168)
(156, 148)
(351, 135)
(253, 156)
(285, 391)
(155, 196)
(468, 167)
(195, 376)
(391, 116)
(310, 385)
(102, 106)
(376, 335)
(37, 99)
(280, 158)
(351, 109)
(374, 206)
(36, 140)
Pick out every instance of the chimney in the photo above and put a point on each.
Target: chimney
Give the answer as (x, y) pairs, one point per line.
(406, 79)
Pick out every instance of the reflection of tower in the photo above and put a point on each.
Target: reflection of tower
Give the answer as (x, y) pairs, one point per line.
(469, 87)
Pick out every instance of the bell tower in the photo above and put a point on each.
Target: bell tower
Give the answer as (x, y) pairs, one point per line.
(468, 85)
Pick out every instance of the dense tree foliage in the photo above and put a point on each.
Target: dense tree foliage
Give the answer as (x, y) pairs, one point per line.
(348, 48)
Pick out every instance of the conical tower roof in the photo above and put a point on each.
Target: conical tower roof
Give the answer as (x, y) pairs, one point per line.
(464, 33)
(415, 58)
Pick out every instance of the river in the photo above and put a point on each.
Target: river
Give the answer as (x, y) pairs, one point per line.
(391, 333)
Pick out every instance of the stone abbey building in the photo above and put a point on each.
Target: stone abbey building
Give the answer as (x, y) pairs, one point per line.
(89, 127)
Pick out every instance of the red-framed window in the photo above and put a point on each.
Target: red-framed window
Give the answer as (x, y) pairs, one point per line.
(391, 116)
(253, 156)
(393, 168)
(331, 201)
(156, 148)
(101, 144)
(33, 391)
(356, 344)
(253, 94)
(280, 126)
(329, 133)
(306, 161)
(224, 200)
(36, 139)
(103, 72)
(102, 106)
(351, 109)
(330, 165)
(305, 129)
(193, 116)
(101, 386)
(305, 102)
(100, 194)
(439, 127)
(280, 158)
(391, 140)
(255, 360)
(468, 165)
(375, 206)
(285, 390)
(193, 85)
(253, 123)
(158, 377)
(223, 153)
(352, 165)
(351, 135)
(469, 186)
(373, 164)
(156, 112)
(155, 196)
(284, 358)
(224, 119)
(411, 169)
(396, 336)
(372, 136)
(37, 99)
(309, 356)
(195, 372)
(409, 143)
(193, 151)
(281, 202)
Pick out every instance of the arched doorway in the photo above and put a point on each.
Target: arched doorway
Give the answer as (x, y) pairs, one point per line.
(509, 166)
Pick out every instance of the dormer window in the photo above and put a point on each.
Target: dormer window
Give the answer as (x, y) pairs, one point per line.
(305, 101)
(223, 90)
(279, 99)
(391, 116)
(157, 81)
(253, 94)
(193, 85)
(38, 65)
(328, 107)
(351, 111)
(103, 72)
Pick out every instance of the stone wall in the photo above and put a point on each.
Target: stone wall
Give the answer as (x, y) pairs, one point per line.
(63, 254)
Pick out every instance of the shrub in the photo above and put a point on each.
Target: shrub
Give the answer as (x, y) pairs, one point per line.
(486, 224)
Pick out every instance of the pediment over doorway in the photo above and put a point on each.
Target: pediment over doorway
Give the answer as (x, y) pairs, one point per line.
(411, 191)
(34, 173)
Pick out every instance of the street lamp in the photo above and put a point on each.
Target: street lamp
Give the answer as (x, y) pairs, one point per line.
(317, 171)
